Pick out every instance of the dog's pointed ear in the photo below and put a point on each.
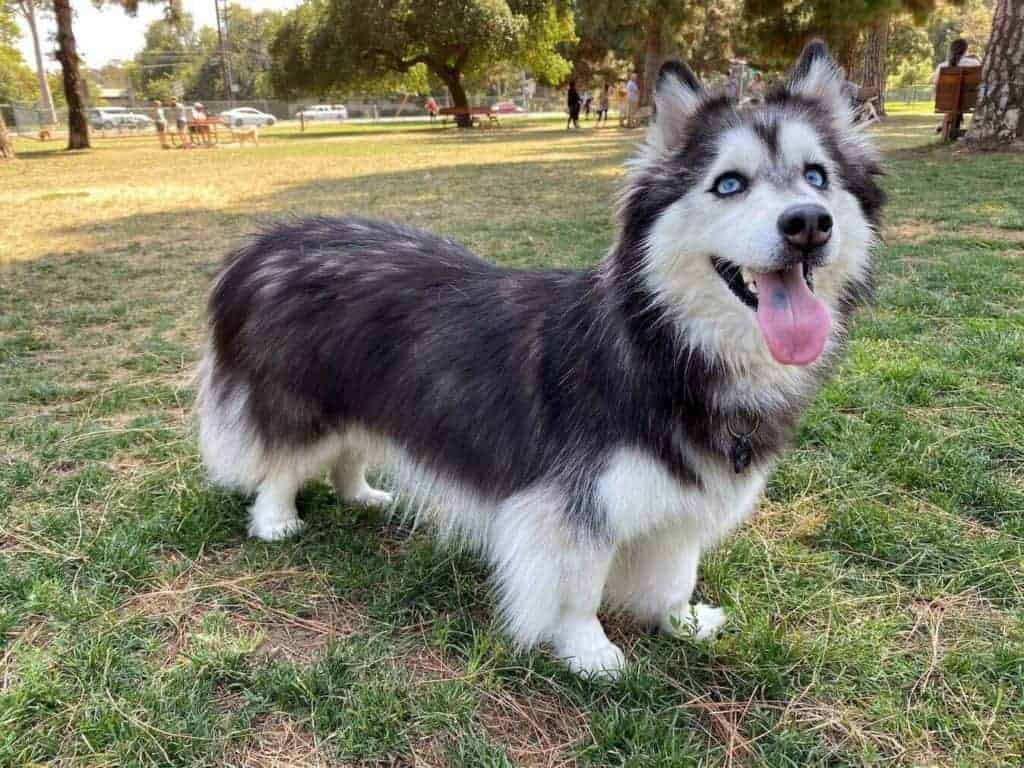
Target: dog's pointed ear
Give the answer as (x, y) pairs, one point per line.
(816, 76)
(677, 96)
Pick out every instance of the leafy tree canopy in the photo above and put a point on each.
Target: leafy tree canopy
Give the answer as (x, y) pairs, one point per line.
(331, 46)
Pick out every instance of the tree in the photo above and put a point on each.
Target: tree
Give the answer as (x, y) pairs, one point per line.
(70, 64)
(651, 24)
(874, 57)
(28, 12)
(325, 45)
(777, 29)
(16, 80)
(999, 113)
(74, 93)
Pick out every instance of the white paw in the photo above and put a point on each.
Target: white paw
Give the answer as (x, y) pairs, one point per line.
(700, 621)
(371, 497)
(588, 652)
(275, 528)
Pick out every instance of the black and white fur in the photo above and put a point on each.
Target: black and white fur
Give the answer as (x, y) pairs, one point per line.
(576, 428)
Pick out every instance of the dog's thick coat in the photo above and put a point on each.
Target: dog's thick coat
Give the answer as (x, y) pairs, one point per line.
(589, 432)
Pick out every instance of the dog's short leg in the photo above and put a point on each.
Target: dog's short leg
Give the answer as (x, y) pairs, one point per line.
(653, 578)
(579, 637)
(550, 582)
(348, 476)
(273, 516)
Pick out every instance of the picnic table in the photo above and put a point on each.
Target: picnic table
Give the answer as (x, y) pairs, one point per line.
(476, 115)
(205, 130)
(956, 93)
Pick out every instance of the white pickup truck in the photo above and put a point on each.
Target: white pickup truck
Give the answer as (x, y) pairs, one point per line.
(323, 112)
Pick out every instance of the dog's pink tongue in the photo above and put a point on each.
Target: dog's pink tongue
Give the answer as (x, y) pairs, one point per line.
(794, 322)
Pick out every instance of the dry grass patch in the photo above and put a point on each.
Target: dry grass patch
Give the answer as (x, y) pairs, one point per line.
(273, 632)
(277, 741)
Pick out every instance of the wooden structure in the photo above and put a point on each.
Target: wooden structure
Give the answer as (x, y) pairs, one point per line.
(476, 115)
(201, 132)
(956, 92)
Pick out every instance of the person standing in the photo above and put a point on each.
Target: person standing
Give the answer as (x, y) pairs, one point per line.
(632, 101)
(574, 107)
(181, 122)
(432, 108)
(161, 123)
(603, 103)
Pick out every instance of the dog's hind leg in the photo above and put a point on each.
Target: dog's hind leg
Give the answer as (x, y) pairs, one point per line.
(348, 476)
(653, 579)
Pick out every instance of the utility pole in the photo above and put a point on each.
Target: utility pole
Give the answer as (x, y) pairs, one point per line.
(220, 7)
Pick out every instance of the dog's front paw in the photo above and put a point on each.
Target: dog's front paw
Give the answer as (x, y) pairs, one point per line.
(700, 621)
(371, 497)
(588, 652)
(275, 528)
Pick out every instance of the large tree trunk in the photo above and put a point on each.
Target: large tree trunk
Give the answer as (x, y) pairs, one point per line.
(28, 9)
(873, 74)
(846, 56)
(453, 80)
(999, 113)
(74, 93)
(653, 55)
(6, 145)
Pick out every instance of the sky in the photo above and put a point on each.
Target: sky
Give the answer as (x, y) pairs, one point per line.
(110, 33)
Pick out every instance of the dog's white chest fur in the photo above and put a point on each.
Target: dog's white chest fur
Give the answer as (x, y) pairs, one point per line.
(641, 495)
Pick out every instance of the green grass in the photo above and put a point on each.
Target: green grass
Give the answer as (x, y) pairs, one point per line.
(877, 601)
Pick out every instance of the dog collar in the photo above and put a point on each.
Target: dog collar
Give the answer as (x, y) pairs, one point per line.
(742, 450)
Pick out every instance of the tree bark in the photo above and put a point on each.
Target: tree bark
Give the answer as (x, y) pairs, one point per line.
(999, 112)
(873, 74)
(74, 93)
(846, 56)
(28, 10)
(452, 78)
(6, 145)
(653, 55)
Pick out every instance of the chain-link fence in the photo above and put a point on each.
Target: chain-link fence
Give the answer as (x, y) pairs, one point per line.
(911, 94)
(136, 117)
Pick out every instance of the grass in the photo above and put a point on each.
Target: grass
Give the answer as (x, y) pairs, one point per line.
(877, 601)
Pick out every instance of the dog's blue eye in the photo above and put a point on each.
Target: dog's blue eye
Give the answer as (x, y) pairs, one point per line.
(729, 184)
(815, 176)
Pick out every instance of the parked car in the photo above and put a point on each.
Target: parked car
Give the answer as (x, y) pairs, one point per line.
(506, 108)
(323, 112)
(117, 117)
(240, 116)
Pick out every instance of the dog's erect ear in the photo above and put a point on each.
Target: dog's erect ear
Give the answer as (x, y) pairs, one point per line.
(817, 76)
(677, 96)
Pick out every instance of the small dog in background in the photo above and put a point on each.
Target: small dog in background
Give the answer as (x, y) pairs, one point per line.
(590, 433)
(244, 133)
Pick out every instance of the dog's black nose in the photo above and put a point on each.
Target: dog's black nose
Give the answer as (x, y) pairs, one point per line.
(806, 226)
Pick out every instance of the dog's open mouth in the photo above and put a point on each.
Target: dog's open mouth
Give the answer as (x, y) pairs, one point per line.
(794, 321)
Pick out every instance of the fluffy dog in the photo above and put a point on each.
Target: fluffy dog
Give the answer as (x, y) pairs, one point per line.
(591, 432)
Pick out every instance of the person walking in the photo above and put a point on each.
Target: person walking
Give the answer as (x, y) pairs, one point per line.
(160, 119)
(632, 101)
(574, 107)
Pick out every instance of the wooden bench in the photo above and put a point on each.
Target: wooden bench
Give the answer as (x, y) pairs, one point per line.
(476, 115)
(956, 93)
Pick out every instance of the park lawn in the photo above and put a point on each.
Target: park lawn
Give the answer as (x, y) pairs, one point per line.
(877, 600)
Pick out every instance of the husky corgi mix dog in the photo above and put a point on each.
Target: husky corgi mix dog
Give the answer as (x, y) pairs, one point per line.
(591, 432)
